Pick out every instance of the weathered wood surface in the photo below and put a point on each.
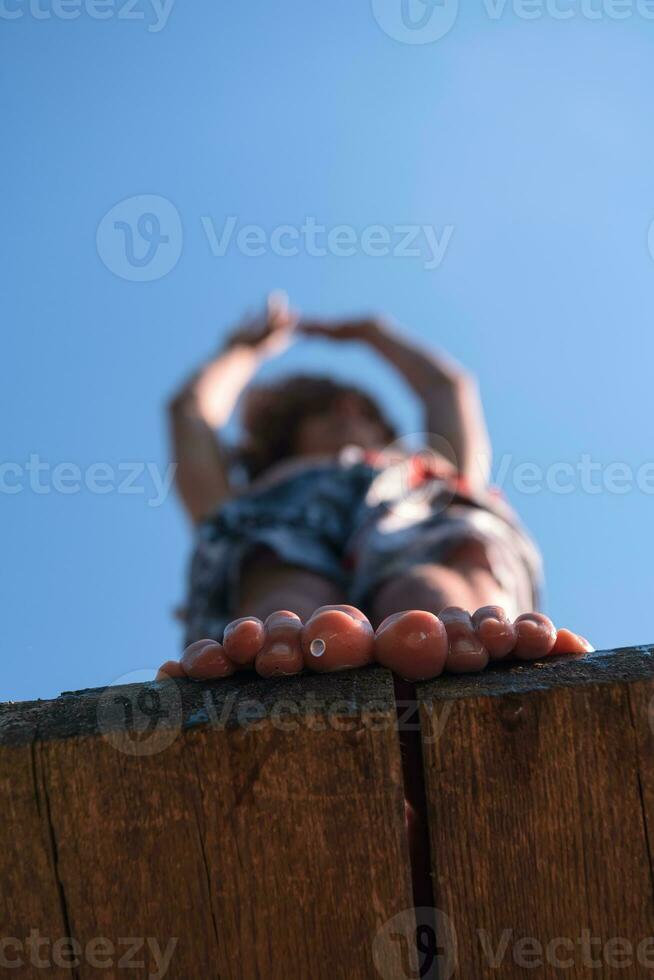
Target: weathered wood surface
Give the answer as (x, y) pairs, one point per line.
(261, 825)
(228, 703)
(540, 802)
(273, 849)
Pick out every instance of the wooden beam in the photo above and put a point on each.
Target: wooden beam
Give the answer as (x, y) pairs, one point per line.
(256, 826)
(540, 802)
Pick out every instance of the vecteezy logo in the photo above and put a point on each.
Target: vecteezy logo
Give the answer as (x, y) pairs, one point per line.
(140, 238)
(138, 718)
(416, 944)
(416, 21)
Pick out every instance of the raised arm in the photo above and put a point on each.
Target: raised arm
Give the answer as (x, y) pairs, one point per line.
(450, 396)
(206, 401)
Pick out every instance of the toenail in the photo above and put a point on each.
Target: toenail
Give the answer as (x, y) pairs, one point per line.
(317, 647)
(500, 627)
(505, 628)
(190, 658)
(280, 650)
(466, 646)
(483, 617)
(533, 625)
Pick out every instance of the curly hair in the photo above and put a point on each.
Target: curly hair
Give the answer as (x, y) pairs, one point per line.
(271, 415)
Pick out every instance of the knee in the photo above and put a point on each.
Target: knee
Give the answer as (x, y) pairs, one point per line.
(424, 586)
(470, 554)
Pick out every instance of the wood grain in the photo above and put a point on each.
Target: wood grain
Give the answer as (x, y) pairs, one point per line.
(274, 850)
(540, 807)
(254, 829)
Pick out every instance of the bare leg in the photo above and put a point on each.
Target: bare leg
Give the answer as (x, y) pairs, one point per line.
(423, 618)
(275, 599)
(465, 581)
(268, 585)
(447, 591)
(470, 639)
(437, 600)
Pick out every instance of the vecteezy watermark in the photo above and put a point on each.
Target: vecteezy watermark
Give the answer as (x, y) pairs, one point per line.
(316, 240)
(411, 479)
(416, 21)
(584, 950)
(100, 953)
(139, 719)
(320, 714)
(145, 718)
(584, 475)
(568, 9)
(416, 943)
(423, 942)
(418, 477)
(427, 21)
(40, 477)
(141, 238)
(411, 484)
(154, 13)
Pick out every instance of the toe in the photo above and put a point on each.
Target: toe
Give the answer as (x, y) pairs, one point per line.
(412, 644)
(243, 640)
(568, 642)
(467, 653)
(282, 648)
(337, 637)
(205, 660)
(495, 631)
(171, 668)
(536, 636)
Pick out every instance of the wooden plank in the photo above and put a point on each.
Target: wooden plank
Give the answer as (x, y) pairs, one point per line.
(29, 884)
(538, 828)
(275, 849)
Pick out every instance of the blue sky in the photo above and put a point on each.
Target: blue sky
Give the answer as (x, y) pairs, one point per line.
(530, 139)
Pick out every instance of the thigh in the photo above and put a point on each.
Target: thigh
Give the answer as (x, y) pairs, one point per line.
(268, 584)
(434, 587)
(462, 551)
(262, 548)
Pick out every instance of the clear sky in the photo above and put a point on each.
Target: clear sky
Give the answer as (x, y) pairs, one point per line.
(524, 144)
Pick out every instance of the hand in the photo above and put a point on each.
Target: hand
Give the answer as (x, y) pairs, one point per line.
(364, 329)
(268, 332)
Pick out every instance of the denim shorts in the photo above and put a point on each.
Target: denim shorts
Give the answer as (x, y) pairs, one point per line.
(357, 524)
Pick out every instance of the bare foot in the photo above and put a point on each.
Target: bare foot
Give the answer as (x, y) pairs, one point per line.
(413, 644)
(243, 640)
(337, 637)
(334, 638)
(489, 635)
(281, 652)
(416, 645)
(203, 661)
